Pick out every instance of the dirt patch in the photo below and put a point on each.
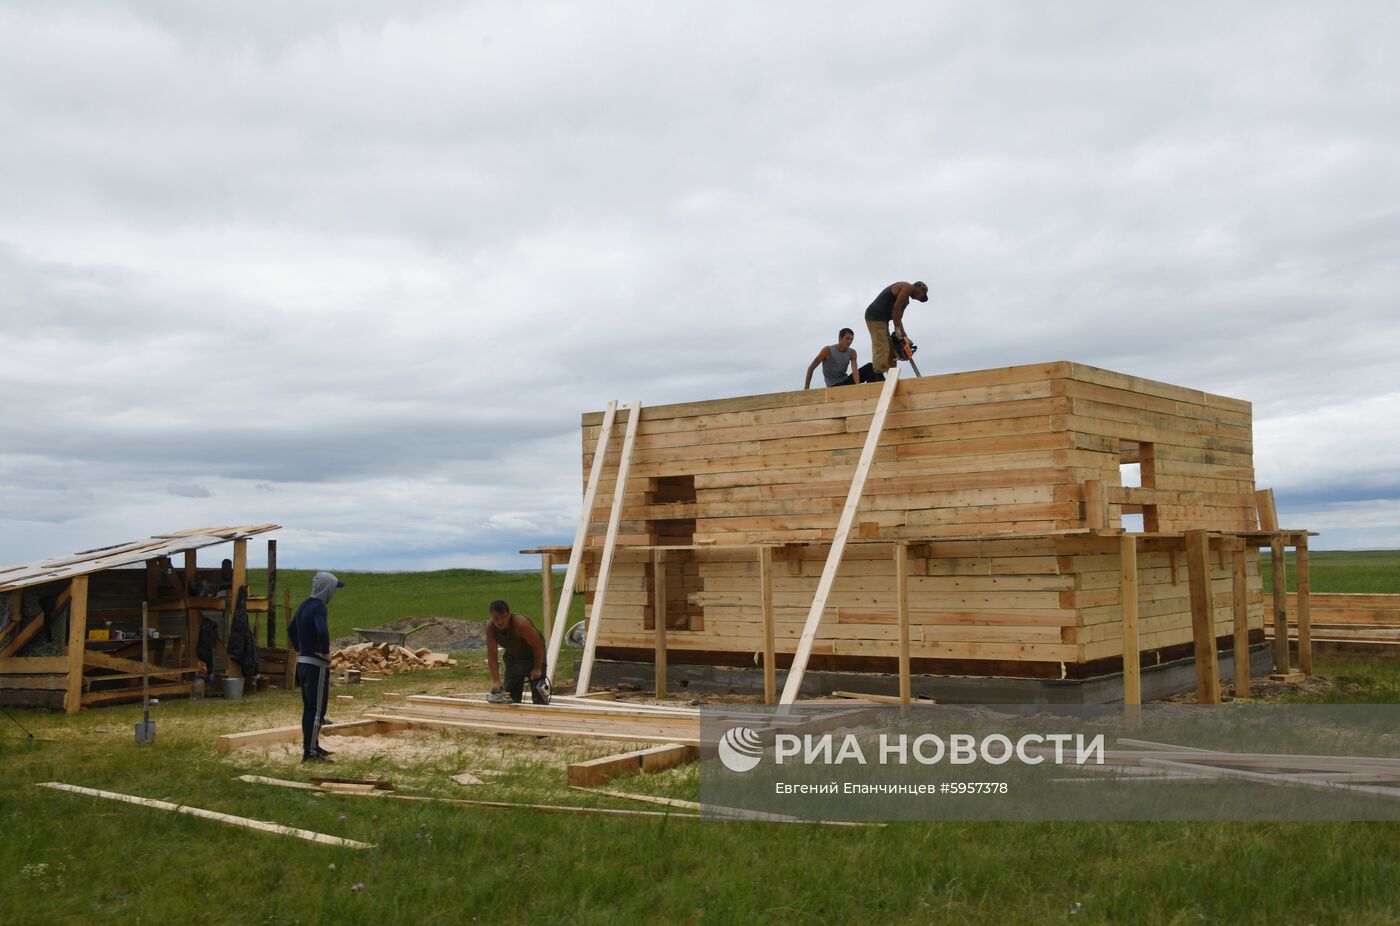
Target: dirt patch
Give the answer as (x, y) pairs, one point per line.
(443, 635)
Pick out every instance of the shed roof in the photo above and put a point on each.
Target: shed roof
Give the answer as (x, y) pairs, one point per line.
(123, 554)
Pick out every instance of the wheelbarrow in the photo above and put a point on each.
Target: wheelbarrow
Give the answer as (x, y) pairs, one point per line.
(394, 637)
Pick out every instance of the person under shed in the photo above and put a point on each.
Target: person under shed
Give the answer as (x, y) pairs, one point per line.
(524, 656)
(838, 362)
(309, 634)
(888, 307)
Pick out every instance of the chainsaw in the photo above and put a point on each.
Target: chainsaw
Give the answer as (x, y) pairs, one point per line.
(903, 349)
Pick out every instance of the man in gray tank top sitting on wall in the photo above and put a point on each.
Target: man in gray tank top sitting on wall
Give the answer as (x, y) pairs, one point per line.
(524, 651)
(838, 362)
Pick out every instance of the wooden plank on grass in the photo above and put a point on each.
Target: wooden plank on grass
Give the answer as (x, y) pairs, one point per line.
(232, 741)
(1202, 617)
(838, 543)
(261, 826)
(585, 515)
(1239, 601)
(1128, 595)
(654, 759)
(600, 590)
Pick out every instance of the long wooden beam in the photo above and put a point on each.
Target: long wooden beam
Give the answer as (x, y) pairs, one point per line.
(652, 759)
(838, 543)
(261, 826)
(595, 617)
(566, 594)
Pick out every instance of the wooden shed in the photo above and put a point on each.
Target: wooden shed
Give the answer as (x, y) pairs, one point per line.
(990, 523)
(70, 626)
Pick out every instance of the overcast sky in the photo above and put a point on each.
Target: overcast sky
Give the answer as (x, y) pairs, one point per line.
(358, 268)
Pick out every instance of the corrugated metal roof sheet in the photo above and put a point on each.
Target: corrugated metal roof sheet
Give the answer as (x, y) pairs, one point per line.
(123, 554)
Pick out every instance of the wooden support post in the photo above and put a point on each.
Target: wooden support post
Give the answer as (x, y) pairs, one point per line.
(1279, 568)
(1240, 601)
(566, 594)
(793, 684)
(272, 593)
(1300, 566)
(658, 572)
(1128, 595)
(192, 616)
(77, 643)
(901, 597)
(765, 594)
(1095, 505)
(595, 617)
(1202, 617)
(290, 680)
(240, 581)
(547, 593)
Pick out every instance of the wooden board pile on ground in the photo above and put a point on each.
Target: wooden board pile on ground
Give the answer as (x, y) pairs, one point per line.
(1350, 624)
(381, 658)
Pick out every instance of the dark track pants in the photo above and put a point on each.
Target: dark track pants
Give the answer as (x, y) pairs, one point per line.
(315, 684)
(518, 673)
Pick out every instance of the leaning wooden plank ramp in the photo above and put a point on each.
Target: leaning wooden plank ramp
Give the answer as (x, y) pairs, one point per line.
(261, 826)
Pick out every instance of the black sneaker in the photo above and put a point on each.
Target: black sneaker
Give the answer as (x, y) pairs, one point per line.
(317, 758)
(323, 752)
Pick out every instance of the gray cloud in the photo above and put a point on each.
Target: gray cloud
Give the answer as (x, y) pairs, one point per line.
(358, 269)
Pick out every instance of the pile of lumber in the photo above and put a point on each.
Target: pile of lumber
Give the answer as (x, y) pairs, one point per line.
(379, 658)
(1349, 624)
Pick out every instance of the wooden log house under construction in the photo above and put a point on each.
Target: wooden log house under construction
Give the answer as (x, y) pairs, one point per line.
(970, 535)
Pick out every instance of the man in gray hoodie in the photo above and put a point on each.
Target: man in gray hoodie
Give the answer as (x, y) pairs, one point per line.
(310, 637)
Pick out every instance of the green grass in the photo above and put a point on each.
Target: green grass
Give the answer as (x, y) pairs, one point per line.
(373, 598)
(1369, 571)
(444, 864)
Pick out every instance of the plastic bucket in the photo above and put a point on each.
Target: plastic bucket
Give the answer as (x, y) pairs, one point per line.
(233, 688)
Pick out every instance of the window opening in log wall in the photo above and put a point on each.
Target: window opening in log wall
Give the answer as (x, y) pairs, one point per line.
(1137, 470)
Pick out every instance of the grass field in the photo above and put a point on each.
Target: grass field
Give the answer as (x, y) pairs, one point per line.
(373, 598)
(1365, 571)
(68, 859)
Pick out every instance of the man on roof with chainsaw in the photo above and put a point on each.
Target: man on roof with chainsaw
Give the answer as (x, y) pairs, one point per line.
(524, 652)
(889, 307)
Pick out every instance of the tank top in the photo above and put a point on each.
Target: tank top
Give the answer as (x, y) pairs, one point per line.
(882, 309)
(836, 366)
(511, 641)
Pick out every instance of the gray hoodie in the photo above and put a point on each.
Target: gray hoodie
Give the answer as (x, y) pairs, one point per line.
(323, 586)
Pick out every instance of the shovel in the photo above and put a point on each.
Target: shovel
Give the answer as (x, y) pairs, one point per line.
(146, 729)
